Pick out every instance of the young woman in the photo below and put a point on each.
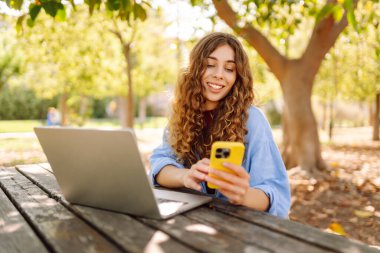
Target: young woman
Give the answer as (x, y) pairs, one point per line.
(213, 102)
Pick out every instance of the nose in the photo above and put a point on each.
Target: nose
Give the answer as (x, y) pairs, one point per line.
(218, 73)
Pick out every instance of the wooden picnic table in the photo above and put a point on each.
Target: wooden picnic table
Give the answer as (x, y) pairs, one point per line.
(35, 217)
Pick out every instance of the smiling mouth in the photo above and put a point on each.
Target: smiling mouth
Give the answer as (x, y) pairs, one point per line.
(215, 86)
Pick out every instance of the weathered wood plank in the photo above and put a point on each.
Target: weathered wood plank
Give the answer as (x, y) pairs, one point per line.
(46, 166)
(184, 230)
(60, 229)
(251, 233)
(294, 229)
(202, 237)
(126, 231)
(15, 233)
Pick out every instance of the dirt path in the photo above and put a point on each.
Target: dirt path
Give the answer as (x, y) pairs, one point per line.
(346, 199)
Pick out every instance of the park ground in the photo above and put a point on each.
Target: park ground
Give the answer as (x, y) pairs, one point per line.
(344, 199)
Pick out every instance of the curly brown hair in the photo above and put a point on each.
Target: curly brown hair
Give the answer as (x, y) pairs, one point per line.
(186, 124)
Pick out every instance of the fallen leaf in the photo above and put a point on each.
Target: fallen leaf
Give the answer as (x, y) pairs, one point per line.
(337, 228)
(354, 220)
(363, 214)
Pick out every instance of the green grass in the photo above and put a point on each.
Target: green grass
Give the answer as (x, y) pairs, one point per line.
(19, 144)
(20, 126)
(14, 126)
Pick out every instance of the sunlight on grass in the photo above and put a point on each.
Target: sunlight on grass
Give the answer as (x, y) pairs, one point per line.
(15, 126)
(22, 126)
(25, 149)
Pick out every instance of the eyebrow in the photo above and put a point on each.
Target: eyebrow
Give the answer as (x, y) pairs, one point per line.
(214, 58)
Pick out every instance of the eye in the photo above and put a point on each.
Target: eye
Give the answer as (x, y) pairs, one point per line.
(210, 66)
(229, 70)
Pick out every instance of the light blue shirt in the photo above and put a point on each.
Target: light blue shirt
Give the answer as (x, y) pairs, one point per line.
(262, 160)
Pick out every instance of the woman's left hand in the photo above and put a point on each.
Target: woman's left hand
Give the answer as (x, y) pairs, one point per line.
(234, 186)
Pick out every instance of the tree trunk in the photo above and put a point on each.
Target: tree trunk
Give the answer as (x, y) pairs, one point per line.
(301, 133)
(130, 105)
(126, 112)
(123, 111)
(63, 109)
(376, 119)
(142, 110)
(324, 115)
(126, 103)
(371, 113)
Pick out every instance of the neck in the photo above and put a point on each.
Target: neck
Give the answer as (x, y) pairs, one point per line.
(209, 106)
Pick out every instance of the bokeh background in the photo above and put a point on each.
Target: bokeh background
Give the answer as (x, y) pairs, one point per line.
(114, 64)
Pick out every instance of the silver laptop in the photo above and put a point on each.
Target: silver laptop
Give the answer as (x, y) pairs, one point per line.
(104, 169)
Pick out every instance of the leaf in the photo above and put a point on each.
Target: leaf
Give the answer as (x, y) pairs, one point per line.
(324, 12)
(15, 4)
(51, 8)
(352, 20)
(19, 26)
(30, 22)
(337, 228)
(125, 6)
(147, 4)
(139, 12)
(196, 2)
(73, 4)
(112, 5)
(363, 214)
(348, 4)
(338, 13)
(34, 10)
(92, 5)
(61, 15)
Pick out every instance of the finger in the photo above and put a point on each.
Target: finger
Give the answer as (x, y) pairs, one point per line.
(239, 170)
(223, 185)
(198, 175)
(201, 167)
(233, 179)
(232, 197)
(193, 185)
(205, 161)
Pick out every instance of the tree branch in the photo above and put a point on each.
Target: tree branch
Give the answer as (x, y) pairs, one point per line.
(274, 59)
(117, 32)
(324, 36)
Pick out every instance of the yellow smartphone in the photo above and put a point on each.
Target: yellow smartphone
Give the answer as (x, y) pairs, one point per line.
(225, 151)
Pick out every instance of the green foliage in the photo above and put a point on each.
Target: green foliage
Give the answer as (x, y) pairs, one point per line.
(99, 108)
(356, 61)
(22, 103)
(274, 116)
(90, 63)
(151, 71)
(10, 61)
(126, 10)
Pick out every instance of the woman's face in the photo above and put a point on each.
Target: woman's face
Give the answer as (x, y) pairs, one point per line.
(219, 77)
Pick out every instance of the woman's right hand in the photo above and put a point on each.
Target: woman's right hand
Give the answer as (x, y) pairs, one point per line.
(196, 174)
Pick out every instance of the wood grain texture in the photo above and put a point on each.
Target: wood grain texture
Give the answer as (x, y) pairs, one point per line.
(15, 233)
(250, 233)
(202, 237)
(293, 229)
(60, 229)
(46, 166)
(124, 230)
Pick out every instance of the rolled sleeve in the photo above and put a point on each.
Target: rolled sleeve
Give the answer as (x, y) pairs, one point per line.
(266, 168)
(162, 156)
